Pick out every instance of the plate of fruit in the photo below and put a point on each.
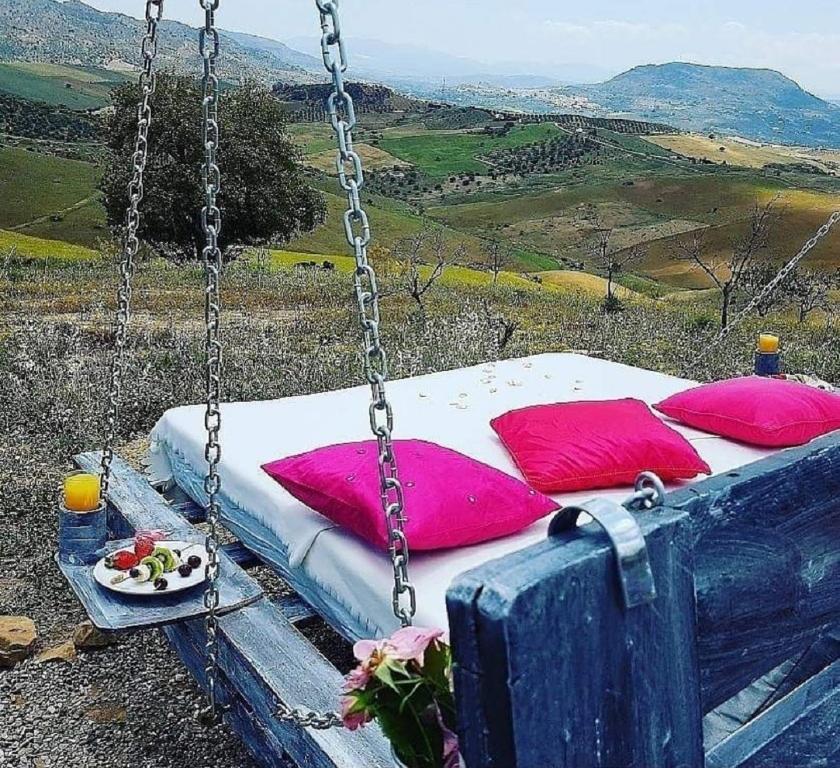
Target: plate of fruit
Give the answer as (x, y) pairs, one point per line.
(152, 567)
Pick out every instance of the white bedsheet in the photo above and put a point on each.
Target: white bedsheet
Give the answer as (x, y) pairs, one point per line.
(451, 408)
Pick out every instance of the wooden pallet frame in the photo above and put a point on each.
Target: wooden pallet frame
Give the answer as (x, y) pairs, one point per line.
(746, 568)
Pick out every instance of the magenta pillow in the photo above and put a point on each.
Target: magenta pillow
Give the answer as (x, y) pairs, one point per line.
(586, 445)
(451, 500)
(769, 412)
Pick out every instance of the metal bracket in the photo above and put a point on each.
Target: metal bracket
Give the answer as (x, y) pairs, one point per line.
(637, 584)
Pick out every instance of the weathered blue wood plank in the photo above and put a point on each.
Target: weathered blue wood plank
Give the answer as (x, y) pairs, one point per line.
(801, 730)
(819, 655)
(294, 608)
(117, 613)
(265, 660)
(259, 740)
(767, 555)
(241, 555)
(139, 505)
(551, 670)
(135, 505)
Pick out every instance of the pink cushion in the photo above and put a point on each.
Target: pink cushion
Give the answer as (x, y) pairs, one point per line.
(768, 412)
(583, 445)
(451, 500)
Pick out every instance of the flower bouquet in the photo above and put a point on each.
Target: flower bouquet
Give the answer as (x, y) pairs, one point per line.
(405, 684)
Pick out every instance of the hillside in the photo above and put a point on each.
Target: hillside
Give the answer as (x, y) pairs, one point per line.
(756, 103)
(73, 33)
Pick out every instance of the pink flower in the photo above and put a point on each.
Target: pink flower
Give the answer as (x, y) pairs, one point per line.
(357, 679)
(353, 714)
(365, 650)
(410, 643)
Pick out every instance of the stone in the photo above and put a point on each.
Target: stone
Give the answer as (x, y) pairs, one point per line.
(86, 637)
(18, 636)
(64, 652)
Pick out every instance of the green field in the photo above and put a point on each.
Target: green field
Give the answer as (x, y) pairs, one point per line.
(40, 249)
(441, 154)
(74, 87)
(36, 188)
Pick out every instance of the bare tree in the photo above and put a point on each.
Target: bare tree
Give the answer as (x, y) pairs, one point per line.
(613, 262)
(423, 257)
(498, 257)
(810, 289)
(727, 272)
(755, 279)
(503, 328)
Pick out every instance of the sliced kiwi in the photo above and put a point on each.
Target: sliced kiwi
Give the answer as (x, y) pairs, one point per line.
(167, 558)
(155, 567)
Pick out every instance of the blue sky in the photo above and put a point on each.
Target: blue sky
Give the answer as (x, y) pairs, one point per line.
(601, 37)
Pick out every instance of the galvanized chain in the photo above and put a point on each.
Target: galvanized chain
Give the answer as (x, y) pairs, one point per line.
(211, 222)
(765, 292)
(305, 718)
(342, 116)
(154, 13)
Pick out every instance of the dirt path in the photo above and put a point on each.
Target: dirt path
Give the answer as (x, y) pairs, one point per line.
(47, 216)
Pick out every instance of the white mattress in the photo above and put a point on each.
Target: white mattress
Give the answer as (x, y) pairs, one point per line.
(451, 408)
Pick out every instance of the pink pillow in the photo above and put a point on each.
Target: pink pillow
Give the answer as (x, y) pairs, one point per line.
(586, 445)
(451, 500)
(768, 412)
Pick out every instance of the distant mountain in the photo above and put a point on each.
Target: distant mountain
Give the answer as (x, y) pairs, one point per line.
(758, 104)
(74, 33)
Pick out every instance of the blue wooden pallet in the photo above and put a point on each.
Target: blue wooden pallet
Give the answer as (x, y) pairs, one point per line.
(264, 660)
(552, 670)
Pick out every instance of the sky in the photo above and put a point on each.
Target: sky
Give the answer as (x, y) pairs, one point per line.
(598, 37)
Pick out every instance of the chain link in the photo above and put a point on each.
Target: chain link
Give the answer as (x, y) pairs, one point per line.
(154, 13)
(211, 222)
(765, 292)
(305, 718)
(342, 115)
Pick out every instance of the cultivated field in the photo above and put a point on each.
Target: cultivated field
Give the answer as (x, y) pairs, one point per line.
(74, 87)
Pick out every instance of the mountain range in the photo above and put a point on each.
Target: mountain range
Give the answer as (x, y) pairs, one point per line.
(74, 33)
(757, 104)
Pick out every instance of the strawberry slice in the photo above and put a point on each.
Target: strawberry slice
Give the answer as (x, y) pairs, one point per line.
(143, 547)
(123, 560)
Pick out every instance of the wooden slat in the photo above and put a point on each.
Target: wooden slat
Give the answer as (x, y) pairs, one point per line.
(269, 661)
(241, 555)
(140, 506)
(294, 608)
(135, 505)
(767, 559)
(553, 671)
(800, 731)
(260, 741)
(819, 655)
(119, 613)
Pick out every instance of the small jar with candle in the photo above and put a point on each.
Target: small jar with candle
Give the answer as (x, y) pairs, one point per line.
(768, 361)
(83, 521)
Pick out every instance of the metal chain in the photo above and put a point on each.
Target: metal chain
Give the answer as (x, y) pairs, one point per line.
(211, 222)
(342, 116)
(784, 273)
(154, 13)
(305, 718)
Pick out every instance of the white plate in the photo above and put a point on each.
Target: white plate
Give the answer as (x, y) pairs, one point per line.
(177, 583)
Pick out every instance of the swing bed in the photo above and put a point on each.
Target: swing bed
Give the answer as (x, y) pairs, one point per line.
(608, 645)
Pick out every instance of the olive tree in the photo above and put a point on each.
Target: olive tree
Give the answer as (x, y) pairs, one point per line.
(265, 197)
